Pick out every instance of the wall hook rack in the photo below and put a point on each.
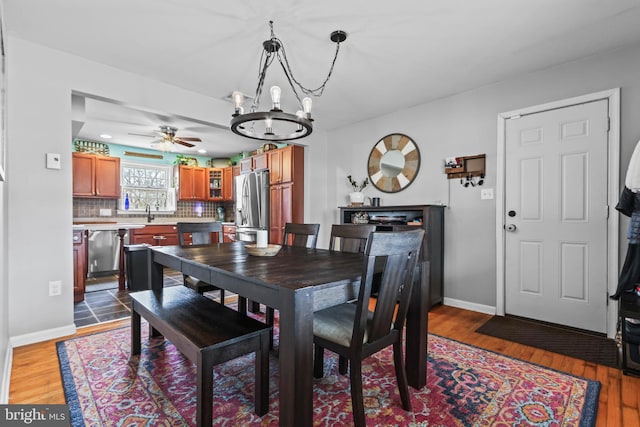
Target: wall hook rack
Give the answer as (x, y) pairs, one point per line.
(469, 169)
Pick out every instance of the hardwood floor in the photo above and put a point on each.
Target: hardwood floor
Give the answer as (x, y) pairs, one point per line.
(35, 375)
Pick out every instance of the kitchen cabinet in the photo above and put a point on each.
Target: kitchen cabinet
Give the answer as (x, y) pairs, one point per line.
(192, 183)
(254, 163)
(286, 176)
(155, 235)
(395, 218)
(227, 184)
(229, 233)
(95, 176)
(286, 164)
(216, 184)
(79, 265)
(286, 205)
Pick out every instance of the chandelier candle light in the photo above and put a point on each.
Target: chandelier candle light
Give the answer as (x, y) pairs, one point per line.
(275, 124)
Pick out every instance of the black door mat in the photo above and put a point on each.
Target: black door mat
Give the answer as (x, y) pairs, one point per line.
(570, 342)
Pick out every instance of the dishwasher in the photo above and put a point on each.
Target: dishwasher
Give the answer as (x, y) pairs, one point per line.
(104, 252)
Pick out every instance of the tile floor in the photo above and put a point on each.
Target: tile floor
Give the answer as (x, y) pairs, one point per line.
(104, 302)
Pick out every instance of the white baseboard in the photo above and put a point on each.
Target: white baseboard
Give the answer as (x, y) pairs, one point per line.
(486, 309)
(47, 334)
(6, 376)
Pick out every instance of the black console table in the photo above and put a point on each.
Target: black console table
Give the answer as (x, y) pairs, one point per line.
(630, 310)
(392, 218)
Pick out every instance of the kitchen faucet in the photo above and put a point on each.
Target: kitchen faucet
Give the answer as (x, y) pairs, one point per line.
(148, 211)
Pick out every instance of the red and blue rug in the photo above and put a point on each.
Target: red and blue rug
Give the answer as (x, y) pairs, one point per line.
(466, 386)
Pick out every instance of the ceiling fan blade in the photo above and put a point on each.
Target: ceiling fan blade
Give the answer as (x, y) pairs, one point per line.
(186, 144)
(141, 134)
(184, 138)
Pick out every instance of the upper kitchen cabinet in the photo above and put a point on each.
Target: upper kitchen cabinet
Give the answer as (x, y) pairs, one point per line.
(96, 176)
(286, 164)
(216, 184)
(193, 183)
(227, 184)
(254, 163)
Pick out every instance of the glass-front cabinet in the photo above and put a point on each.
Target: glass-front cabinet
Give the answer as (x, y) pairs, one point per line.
(215, 184)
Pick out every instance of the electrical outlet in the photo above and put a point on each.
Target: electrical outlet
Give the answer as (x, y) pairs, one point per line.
(105, 212)
(55, 288)
(486, 194)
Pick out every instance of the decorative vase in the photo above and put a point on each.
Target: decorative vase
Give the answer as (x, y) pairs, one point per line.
(356, 198)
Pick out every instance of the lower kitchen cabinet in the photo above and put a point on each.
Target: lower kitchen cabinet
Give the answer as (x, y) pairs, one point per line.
(79, 265)
(229, 233)
(155, 235)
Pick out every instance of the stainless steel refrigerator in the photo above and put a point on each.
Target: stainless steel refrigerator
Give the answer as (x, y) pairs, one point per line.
(252, 204)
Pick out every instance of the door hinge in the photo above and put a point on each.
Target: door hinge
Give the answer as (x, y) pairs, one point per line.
(608, 124)
(606, 212)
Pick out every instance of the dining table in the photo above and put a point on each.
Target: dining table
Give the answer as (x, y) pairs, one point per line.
(296, 281)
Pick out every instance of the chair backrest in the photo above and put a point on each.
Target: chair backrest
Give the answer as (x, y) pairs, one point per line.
(304, 235)
(200, 232)
(398, 253)
(350, 237)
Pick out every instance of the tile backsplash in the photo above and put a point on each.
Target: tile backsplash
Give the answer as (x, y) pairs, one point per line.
(90, 208)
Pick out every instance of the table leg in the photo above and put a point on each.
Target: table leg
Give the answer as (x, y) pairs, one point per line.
(417, 329)
(135, 332)
(296, 359)
(121, 233)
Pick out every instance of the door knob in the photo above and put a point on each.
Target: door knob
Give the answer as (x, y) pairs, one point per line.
(511, 227)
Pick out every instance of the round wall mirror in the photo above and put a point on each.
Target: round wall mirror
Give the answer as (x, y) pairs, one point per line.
(394, 162)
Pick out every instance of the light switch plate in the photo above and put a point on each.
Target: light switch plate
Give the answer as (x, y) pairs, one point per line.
(486, 194)
(53, 161)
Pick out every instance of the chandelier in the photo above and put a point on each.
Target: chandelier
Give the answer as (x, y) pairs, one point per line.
(275, 124)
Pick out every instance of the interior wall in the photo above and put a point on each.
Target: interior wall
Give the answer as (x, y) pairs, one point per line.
(4, 300)
(39, 199)
(466, 124)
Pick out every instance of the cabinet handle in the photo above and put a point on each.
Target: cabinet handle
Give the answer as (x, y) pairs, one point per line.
(159, 237)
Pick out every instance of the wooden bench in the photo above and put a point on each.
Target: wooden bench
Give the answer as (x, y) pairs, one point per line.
(208, 334)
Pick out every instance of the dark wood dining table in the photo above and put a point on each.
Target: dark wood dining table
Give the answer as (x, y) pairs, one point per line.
(297, 281)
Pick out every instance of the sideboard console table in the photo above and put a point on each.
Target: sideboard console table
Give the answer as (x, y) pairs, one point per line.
(394, 218)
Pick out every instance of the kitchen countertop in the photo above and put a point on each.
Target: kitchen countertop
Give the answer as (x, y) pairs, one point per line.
(131, 223)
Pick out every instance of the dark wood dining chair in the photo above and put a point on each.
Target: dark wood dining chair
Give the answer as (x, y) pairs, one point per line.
(350, 237)
(356, 332)
(200, 235)
(301, 235)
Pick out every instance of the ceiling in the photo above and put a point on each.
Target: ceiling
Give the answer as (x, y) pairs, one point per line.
(421, 51)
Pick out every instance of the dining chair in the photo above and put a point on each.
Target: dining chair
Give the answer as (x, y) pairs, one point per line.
(355, 331)
(200, 235)
(350, 237)
(301, 235)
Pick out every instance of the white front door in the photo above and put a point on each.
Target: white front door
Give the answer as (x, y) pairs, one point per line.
(556, 215)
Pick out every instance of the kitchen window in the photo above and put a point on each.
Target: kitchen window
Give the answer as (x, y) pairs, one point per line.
(146, 185)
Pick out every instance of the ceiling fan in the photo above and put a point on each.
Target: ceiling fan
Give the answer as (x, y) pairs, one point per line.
(168, 136)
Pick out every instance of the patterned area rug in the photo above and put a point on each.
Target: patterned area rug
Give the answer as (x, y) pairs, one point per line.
(466, 386)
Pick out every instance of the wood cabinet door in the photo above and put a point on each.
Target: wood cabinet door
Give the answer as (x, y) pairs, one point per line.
(275, 166)
(246, 165)
(286, 164)
(185, 183)
(260, 162)
(79, 265)
(200, 183)
(107, 177)
(83, 173)
(227, 184)
(276, 226)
